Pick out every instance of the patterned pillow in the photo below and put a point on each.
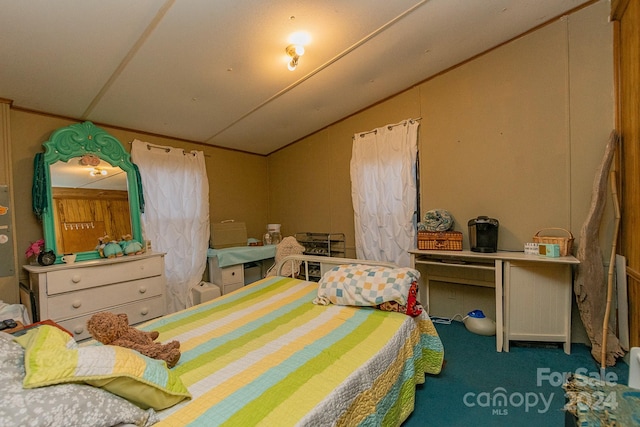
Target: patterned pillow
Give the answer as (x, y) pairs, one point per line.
(63, 405)
(389, 289)
(413, 307)
(53, 357)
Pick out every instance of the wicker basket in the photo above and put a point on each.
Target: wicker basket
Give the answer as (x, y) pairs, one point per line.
(440, 240)
(565, 243)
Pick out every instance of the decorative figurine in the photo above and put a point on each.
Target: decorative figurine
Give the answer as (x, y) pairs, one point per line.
(130, 246)
(112, 250)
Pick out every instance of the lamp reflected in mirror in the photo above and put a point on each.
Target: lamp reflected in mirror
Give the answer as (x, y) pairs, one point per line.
(97, 172)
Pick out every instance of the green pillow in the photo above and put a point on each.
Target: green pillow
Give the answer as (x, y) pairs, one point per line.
(53, 357)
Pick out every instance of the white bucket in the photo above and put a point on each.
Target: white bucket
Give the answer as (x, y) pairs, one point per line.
(273, 228)
(274, 232)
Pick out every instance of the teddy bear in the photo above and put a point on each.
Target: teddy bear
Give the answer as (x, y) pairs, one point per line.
(114, 329)
(108, 248)
(130, 246)
(112, 250)
(102, 242)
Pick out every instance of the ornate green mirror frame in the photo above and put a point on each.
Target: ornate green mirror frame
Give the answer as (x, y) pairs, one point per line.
(78, 140)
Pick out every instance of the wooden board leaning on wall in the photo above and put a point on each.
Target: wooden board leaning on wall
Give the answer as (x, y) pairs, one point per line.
(107, 210)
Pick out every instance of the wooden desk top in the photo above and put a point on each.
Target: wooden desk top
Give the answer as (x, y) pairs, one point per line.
(500, 255)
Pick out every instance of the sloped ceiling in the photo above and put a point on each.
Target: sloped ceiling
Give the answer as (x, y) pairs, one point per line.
(214, 71)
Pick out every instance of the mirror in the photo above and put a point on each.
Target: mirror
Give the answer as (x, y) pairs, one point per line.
(92, 191)
(90, 201)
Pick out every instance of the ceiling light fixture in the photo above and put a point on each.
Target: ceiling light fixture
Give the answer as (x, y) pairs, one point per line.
(97, 171)
(295, 51)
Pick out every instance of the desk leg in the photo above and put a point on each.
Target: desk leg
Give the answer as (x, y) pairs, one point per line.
(425, 294)
(499, 306)
(423, 290)
(567, 319)
(210, 266)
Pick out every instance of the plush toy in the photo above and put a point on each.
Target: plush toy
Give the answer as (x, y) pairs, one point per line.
(112, 250)
(114, 329)
(107, 248)
(130, 246)
(102, 242)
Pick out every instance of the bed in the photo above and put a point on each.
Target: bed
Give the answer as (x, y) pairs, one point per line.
(267, 355)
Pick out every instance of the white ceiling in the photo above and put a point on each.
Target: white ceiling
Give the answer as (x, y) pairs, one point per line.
(75, 174)
(214, 71)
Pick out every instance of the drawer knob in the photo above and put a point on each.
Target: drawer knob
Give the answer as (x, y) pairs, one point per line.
(142, 289)
(75, 278)
(144, 311)
(76, 304)
(78, 330)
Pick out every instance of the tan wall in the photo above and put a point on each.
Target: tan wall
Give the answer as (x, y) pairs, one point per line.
(237, 185)
(310, 185)
(518, 133)
(515, 134)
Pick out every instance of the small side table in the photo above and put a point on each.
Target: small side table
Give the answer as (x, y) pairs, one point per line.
(23, 329)
(16, 329)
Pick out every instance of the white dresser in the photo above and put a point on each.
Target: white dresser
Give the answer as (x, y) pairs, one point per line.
(71, 294)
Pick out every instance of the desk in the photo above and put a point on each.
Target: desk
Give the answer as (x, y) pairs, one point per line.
(241, 254)
(532, 293)
(226, 266)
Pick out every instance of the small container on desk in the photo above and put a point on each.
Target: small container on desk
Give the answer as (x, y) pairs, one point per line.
(440, 240)
(564, 242)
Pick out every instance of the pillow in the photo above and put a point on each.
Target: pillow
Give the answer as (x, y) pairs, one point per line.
(389, 289)
(52, 357)
(64, 405)
(413, 307)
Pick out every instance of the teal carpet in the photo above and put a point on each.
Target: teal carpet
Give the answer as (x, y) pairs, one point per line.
(481, 387)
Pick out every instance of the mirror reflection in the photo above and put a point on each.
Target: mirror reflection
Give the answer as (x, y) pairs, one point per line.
(90, 201)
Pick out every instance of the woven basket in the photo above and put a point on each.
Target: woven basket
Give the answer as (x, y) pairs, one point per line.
(565, 243)
(440, 240)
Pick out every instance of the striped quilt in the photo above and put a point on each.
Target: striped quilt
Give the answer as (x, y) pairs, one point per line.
(266, 355)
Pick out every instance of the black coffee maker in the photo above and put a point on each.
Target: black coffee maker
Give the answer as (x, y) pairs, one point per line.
(483, 234)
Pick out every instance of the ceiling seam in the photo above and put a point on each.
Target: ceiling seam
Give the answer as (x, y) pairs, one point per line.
(323, 66)
(129, 56)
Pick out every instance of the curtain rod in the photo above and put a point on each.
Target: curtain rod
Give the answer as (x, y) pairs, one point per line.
(404, 122)
(167, 149)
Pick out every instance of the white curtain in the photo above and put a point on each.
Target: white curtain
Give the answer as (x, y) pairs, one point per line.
(384, 192)
(176, 214)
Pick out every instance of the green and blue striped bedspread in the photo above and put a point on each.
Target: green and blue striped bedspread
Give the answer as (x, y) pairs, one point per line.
(266, 355)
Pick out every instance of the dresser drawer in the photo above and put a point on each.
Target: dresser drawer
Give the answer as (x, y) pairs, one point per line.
(233, 274)
(137, 312)
(73, 304)
(74, 279)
